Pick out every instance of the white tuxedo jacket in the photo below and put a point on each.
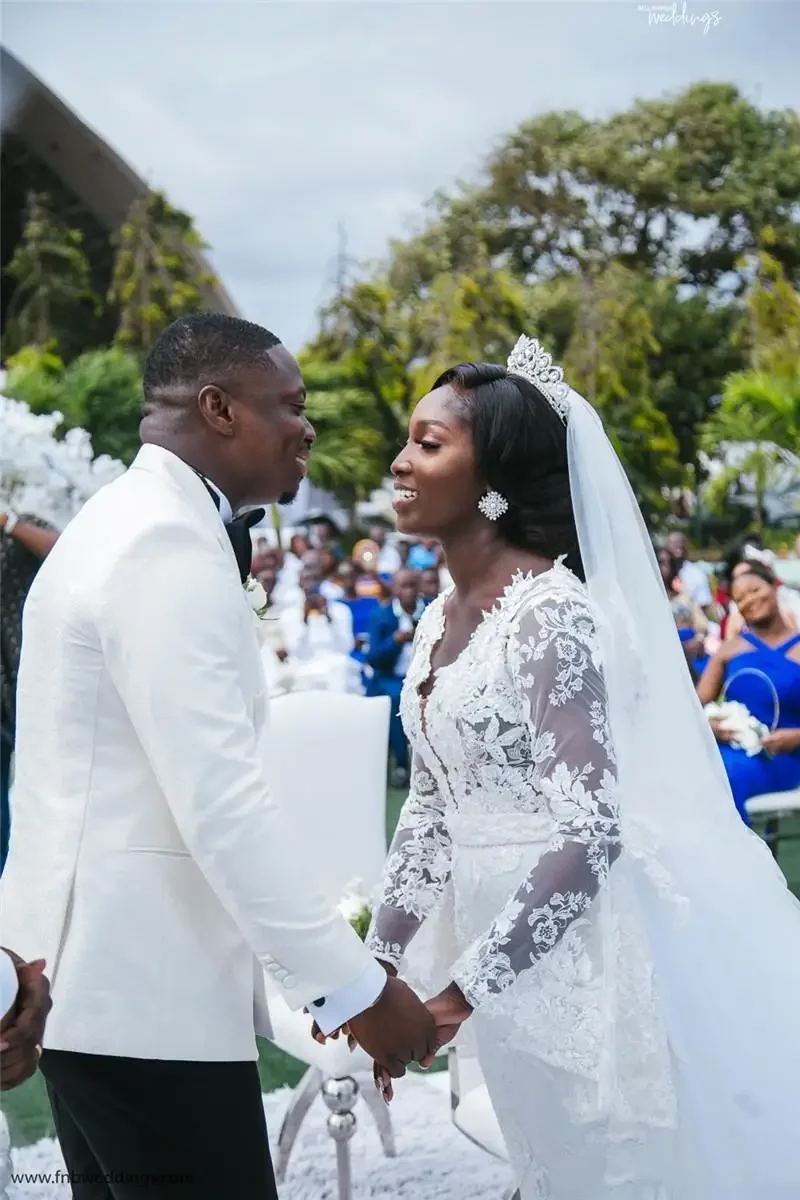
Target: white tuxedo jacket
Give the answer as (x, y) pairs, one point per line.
(149, 863)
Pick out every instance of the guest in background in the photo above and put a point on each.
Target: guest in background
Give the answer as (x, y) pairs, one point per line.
(389, 561)
(430, 584)
(693, 577)
(391, 634)
(274, 654)
(329, 566)
(761, 670)
(365, 556)
(690, 620)
(25, 541)
(424, 554)
(265, 555)
(325, 536)
(292, 563)
(739, 562)
(361, 607)
(319, 637)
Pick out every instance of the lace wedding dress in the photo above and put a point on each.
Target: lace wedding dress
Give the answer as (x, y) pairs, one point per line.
(507, 872)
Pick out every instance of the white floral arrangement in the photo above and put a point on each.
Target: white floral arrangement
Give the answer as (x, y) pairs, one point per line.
(356, 907)
(41, 473)
(746, 732)
(256, 596)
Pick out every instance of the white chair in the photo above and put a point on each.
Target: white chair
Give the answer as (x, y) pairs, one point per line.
(471, 1108)
(328, 759)
(774, 808)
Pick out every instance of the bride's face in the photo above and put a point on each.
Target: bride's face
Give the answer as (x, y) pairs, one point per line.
(436, 485)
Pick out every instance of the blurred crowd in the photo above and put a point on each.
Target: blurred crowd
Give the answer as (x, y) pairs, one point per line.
(345, 622)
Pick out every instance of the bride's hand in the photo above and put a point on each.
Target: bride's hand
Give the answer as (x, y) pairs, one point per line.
(450, 1010)
(383, 1082)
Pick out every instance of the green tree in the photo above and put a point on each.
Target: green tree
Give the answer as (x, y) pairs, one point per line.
(350, 456)
(760, 408)
(608, 359)
(370, 338)
(101, 392)
(35, 376)
(158, 273)
(53, 296)
(759, 415)
(678, 185)
(467, 316)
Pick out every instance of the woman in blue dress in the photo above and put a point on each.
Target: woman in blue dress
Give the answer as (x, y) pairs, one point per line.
(761, 670)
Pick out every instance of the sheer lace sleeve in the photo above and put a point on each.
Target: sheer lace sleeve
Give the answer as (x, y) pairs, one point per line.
(416, 871)
(554, 664)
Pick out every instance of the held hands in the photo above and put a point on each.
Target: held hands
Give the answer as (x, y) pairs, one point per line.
(397, 1030)
(450, 1009)
(22, 1029)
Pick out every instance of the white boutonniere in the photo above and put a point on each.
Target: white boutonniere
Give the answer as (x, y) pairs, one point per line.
(356, 907)
(256, 596)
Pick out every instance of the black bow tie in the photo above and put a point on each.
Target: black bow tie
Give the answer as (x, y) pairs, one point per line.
(239, 533)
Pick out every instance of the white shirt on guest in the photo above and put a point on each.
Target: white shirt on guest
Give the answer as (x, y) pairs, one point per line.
(695, 580)
(317, 635)
(389, 560)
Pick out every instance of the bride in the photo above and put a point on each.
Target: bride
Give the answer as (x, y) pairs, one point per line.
(581, 901)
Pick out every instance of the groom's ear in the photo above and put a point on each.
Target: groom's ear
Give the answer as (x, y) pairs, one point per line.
(216, 408)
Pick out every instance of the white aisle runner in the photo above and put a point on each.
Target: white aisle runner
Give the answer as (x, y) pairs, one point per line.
(434, 1161)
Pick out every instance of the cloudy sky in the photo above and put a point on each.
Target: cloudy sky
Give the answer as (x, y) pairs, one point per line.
(275, 123)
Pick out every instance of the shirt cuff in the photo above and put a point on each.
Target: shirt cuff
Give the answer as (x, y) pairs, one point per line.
(334, 1011)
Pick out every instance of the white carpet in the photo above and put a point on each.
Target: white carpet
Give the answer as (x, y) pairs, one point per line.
(435, 1161)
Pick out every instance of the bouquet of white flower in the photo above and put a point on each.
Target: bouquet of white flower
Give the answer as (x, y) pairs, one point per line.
(356, 907)
(736, 719)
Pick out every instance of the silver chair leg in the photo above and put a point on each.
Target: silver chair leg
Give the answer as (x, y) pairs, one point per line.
(380, 1113)
(340, 1096)
(303, 1097)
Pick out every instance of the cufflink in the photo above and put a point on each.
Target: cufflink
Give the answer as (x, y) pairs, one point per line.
(318, 1003)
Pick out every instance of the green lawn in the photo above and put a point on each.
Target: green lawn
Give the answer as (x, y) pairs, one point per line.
(27, 1108)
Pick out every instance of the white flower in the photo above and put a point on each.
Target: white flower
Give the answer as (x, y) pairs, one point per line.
(747, 733)
(356, 907)
(355, 899)
(257, 596)
(45, 475)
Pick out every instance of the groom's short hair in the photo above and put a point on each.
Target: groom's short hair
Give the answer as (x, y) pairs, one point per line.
(204, 348)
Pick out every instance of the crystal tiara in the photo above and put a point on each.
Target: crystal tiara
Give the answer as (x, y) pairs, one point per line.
(533, 363)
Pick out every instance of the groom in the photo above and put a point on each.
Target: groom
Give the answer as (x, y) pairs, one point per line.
(150, 865)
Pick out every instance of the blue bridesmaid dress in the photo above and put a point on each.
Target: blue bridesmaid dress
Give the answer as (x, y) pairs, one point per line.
(745, 683)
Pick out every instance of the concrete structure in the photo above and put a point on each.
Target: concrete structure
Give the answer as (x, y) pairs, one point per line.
(46, 147)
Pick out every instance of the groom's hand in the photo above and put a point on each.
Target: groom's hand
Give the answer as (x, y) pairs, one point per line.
(397, 1030)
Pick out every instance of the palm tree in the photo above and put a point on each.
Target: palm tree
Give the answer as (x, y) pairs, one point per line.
(759, 414)
(53, 280)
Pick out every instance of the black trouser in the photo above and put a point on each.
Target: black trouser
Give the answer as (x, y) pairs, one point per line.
(143, 1129)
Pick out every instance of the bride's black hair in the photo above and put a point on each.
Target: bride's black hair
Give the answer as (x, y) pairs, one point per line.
(521, 452)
